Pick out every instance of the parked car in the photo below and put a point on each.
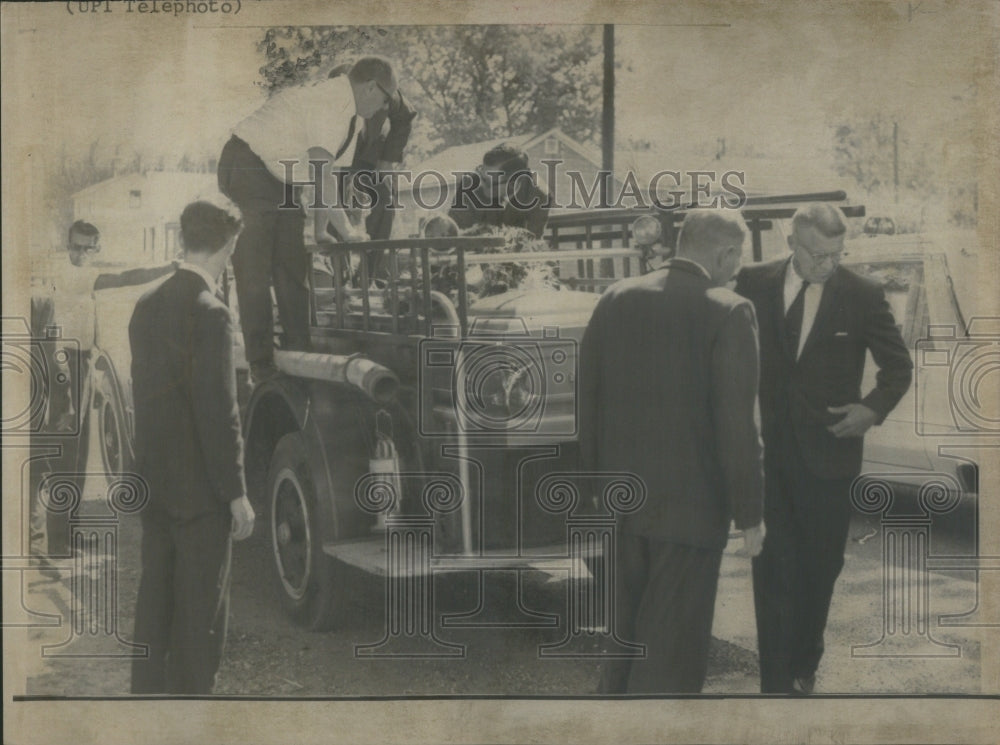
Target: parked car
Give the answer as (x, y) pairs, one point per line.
(929, 282)
(879, 226)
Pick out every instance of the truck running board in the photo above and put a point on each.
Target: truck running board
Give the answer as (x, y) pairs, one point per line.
(371, 555)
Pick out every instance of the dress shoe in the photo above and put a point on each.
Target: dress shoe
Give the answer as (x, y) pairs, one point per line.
(804, 686)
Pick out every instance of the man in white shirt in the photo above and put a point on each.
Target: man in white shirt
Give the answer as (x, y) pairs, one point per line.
(818, 321)
(66, 300)
(317, 121)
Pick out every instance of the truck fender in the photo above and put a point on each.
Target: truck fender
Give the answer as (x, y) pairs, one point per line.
(329, 417)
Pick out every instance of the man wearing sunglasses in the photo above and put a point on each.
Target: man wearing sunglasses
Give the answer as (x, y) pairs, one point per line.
(818, 322)
(314, 121)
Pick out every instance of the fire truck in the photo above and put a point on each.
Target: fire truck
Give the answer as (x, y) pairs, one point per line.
(422, 403)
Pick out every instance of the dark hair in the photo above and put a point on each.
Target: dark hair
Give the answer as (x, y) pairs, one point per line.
(206, 228)
(82, 228)
(506, 158)
(374, 68)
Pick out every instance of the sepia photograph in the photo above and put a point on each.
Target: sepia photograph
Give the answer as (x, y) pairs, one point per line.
(500, 372)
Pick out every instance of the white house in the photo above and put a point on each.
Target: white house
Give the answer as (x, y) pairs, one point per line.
(138, 213)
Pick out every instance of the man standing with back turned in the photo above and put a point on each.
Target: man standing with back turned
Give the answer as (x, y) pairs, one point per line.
(190, 452)
(817, 323)
(668, 393)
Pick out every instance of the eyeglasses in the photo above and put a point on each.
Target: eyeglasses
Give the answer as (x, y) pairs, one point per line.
(833, 257)
(89, 248)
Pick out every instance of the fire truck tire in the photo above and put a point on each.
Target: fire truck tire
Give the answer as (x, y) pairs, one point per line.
(305, 574)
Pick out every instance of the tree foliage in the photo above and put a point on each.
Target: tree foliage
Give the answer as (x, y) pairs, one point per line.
(869, 152)
(469, 83)
(865, 151)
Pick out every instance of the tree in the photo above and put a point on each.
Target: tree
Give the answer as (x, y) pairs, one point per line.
(866, 151)
(469, 83)
(878, 155)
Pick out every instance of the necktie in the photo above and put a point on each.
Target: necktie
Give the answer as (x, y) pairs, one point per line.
(793, 319)
(347, 140)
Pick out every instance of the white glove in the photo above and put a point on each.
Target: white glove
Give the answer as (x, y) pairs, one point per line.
(243, 517)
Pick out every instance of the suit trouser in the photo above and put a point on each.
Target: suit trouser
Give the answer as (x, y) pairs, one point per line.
(270, 250)
(183, 605)
(807, 521)
(664, 599)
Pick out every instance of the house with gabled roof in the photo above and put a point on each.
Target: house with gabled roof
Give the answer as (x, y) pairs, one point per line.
(563, 167)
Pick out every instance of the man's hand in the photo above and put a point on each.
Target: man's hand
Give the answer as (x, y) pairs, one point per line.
(243, 517)
(753, 539)
(357, 234)
(856, 422)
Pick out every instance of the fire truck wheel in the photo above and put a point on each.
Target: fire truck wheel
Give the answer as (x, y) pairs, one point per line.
(305, 574)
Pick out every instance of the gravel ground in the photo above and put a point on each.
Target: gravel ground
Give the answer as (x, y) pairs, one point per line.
(267, 655)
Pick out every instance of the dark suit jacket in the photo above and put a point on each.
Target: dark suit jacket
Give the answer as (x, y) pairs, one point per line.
(853, 318)
(188, 442)
(668, 383)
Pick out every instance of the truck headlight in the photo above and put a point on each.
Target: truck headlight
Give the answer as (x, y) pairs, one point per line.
(646, 230)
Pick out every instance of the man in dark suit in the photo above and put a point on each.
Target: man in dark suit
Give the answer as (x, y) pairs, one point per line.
(190, 452)
(817, 323)
(668, 392)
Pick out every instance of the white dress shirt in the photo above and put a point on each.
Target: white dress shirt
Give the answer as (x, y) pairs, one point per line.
(810, 303)
(73, 303)
(298, 118)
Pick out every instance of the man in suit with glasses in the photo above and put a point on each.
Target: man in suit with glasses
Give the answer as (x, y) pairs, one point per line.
(818, 321)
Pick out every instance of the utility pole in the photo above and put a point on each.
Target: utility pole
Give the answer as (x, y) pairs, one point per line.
(608, 116)
(895, 160)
